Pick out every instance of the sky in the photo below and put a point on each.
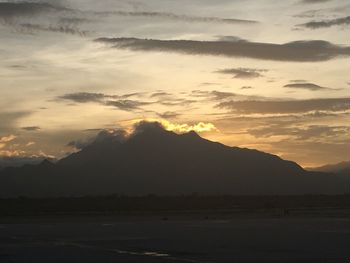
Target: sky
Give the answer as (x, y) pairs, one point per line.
(269, 75)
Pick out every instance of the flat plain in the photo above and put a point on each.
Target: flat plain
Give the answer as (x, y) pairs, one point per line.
(175, 238)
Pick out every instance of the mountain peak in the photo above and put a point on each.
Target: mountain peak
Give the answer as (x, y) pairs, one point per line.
(149, 127)
(192, 134)
(154, 160)
(46, 162)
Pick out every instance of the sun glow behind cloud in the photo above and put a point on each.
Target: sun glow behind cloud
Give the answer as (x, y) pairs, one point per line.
(199, 127)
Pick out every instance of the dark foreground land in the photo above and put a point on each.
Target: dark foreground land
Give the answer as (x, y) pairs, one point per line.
(251, 229)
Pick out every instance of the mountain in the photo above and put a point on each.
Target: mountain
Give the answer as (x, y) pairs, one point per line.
(342, 168)
(153, 160)
(19, 161)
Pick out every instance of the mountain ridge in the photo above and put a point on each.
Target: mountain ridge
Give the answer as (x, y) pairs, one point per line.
(153, 160)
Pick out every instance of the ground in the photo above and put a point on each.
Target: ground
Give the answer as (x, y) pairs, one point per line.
(175, 239)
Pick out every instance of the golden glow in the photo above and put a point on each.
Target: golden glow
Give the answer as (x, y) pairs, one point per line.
(8, 138)
(172, 126)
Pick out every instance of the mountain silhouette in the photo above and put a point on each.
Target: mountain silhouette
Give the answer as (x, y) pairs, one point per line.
(153, 160)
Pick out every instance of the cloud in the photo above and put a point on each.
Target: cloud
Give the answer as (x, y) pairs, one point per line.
(168, 115)
(31, 128)
(30, 144)
(11, 10)
(122, 103)
(183, 128)
(65, 29)
(314, 1)
(138, 126)
(175, 102)
(220, 96)
(306, 85)
(213, 95)
(300, 133)
(127, 105)
(103, 135)
(242, 73)
(79, 144)
(8, 138)
(85, 97)
(342, 21)
(160, 94)
(286, 106)
(155, 124)
(178, 17)
(57, 18)
(106, 100)
(297, 51)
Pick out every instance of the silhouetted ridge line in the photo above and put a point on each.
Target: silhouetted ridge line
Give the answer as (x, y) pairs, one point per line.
(152, 160)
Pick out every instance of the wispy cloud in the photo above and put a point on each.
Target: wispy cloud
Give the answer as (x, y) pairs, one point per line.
(298, 51)
(66, 29)
(116, 101)
(31, 128)
(178, 17)
(169, 115)
(12, 10)
(342, 21)
(286, 106)
(306, 86)
(314, 1)
(242, 73)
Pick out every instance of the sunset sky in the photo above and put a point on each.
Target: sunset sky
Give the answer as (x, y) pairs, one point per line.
(270, 75)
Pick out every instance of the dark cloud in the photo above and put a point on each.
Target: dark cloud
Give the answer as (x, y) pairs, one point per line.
(160, 94)
(242, 73)
(65, 29)
(306, 85)
(79, 144)
(145, 126)
(31, 128)
(327, 23)
(185, 18)
(11, 10)
(169, 115)
(220, 96)
(108, 100)
(127, 105)
(135, 94)
(84, 97)
(286, 106)
(114, 134)
(314, 1)
(298, 51)
(298, 81)
(122, 102)
(102, 135)
(58, 19)
(209, 84)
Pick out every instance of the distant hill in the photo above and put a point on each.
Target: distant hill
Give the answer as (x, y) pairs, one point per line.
(19, 161)
(153, 160)
(342, 168)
